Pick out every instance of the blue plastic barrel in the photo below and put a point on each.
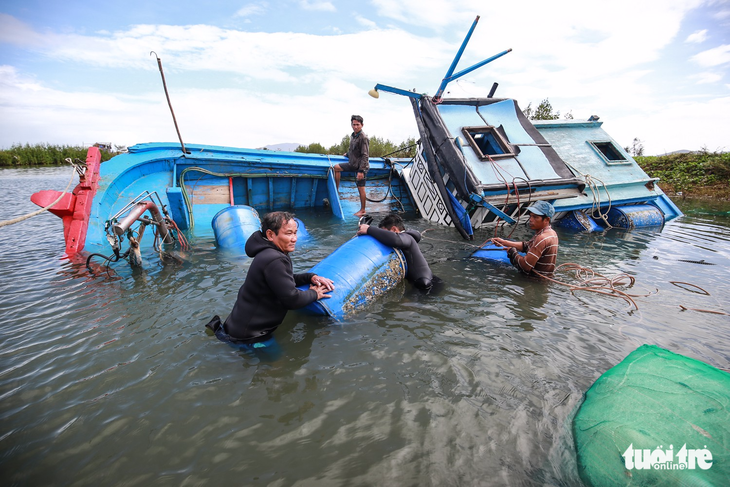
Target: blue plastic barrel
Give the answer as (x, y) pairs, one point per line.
(489, 251)
(635, 216)
(362, 269)
(302, 233)
(233, 225)
(578, 221)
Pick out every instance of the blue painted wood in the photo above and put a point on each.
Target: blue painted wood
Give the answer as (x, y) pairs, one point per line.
(334, 196)
(293, 193)
(178, 208)
(313, 194)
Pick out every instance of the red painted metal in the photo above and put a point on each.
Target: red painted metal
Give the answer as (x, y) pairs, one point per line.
(75, 207)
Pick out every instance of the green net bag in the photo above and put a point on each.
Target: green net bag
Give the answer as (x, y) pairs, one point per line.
(657, 418)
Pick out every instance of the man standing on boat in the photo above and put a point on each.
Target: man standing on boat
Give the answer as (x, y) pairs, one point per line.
(270, 288)
(392, 232)
(359, 160)
(541, 250)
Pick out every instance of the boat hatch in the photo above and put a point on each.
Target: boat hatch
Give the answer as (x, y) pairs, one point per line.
(488, 142)
(608, 152)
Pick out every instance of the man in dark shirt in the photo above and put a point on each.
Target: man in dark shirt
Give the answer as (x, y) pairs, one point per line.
(392, 232)
(359, 160)
(270, 288)
(541, 250)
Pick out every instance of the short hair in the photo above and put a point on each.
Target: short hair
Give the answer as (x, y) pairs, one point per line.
(392, 220)
(274, 221)
(358, 118)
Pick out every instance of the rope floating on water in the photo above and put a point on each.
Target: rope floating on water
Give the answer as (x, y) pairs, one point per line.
(593, 282)
(677, 283)
(684, 308)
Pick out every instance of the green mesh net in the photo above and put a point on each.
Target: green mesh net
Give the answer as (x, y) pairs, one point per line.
(668, 414)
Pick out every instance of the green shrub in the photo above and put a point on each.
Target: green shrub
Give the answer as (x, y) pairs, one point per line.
(44, 155)
(684, 172)
(378, 148)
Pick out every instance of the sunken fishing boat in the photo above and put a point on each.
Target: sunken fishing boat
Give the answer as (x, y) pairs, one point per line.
(480, 162)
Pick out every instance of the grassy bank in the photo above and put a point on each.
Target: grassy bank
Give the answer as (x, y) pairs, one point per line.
(699, 174)
(44, 155)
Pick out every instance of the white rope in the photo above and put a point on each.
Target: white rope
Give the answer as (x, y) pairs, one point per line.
(38, 212)
(595, 192)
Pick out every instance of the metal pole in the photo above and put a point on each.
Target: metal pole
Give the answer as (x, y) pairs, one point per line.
(446, 79)
(164, 85)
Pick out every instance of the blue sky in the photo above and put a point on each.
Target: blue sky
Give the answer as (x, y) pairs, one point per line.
(250, 74)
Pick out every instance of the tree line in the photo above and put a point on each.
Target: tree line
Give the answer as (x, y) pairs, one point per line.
(378, 147)
(44, 155)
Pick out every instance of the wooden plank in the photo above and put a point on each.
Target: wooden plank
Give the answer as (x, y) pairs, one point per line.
(202, 194)
(315, 183)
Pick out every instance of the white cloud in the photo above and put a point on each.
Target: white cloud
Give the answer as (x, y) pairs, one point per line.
(706, 77)
(280, 57)
(577, 59)
(722, 14)
(434, 14)
(13, 31)
(317, 5)
(716, 56)
(250, 9)
(697, 37)
(365, 22)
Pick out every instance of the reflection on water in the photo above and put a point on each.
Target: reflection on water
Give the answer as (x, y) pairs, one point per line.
(112, 379)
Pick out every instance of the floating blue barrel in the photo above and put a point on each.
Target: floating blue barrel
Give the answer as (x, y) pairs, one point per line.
(233, 225)
(489, 251)
(362, 269)
(578, 221)
(302, 233)
(635, 216)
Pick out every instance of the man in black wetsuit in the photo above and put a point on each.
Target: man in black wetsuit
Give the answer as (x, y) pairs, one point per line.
(392, 232)
(270, 288)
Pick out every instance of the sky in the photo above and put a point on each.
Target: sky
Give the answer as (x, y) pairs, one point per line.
(263, 72)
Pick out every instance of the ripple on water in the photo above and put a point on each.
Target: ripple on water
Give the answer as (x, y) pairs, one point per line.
(114, 377)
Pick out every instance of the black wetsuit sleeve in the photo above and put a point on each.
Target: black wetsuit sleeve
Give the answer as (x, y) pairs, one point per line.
(281, 281)
(303, 278)
(388, 238)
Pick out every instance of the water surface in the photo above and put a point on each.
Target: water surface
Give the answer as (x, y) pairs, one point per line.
(111, 378)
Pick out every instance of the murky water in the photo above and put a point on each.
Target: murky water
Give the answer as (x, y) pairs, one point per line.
(111, 379)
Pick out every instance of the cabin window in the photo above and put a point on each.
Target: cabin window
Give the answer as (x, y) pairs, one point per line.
(488, 142)
(608, 152)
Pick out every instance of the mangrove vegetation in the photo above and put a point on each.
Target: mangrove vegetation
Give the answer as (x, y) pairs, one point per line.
(693, 174)
(45, 155)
